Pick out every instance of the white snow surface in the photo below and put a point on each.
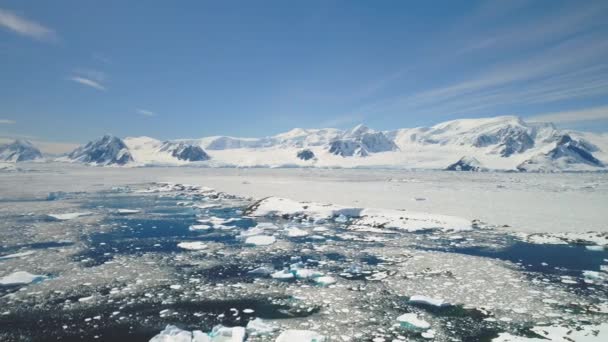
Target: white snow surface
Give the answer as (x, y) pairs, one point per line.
(363, 217)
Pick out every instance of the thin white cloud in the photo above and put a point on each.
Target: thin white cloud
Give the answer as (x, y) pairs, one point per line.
(145, 112)
(87, 82)
(25, 27)
(580, 115)
(7, 122)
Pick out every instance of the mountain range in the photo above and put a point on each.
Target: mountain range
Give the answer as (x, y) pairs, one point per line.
(506, 143)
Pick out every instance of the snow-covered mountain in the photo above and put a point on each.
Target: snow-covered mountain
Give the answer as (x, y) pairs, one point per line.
(19, 151)
(108, 150)
(500, 143)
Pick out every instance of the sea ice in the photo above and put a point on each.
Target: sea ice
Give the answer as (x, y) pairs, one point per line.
(260, 327)
(296, 232)
(17, 255)
(193, 245)
(20, 277)
(282, 275)
(419, 299)
(127, 211)
(300, 336)
(325, 280)
(260, 240)
(413, 322)
(68, 216)
(175, 334)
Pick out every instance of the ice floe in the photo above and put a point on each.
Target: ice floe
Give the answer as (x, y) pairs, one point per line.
(362, 217)
(260, 240)
(127, 211)
(300, 336)
(192, 245)
(411, 321)
(17, 255)
(20, 278)
(424, 300)
(68, 216)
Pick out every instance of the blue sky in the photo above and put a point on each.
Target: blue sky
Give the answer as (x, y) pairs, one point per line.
(73, 70)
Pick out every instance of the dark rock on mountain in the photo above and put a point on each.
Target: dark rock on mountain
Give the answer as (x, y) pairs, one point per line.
(306, 154)
(184, 151)
(466, 164)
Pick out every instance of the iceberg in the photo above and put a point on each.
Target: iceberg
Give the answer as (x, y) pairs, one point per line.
(411, 321)
(424, 300)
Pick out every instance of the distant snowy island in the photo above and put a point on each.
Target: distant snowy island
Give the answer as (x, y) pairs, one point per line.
(505, 143)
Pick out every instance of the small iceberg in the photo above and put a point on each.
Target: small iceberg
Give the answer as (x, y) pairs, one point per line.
(218, 334)
(424, 300)
(325, 280)
(283, 275)
(193, 246)
(196, 227)
(21, 278)
(68, 216)
(17, 255)
(127, 211)
(260, 327)
(296, 232)
(411, 321)
(260, 240)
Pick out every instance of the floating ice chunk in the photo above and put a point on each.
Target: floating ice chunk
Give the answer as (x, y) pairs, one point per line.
(595, 248)
(17, 255)
(325, 280)
(300, 336)
(251, 232)
(261, 271)
(412, 322)
(266, 225)
(282, 275)
(193, 245)
(20, 278)
(429, 334)
(306, 273)
(175, 334)
(296, 232)
(128, 211)
(206, 206)
(195, 227)
(260, 240)
(225, 334)
(418, 299)
(260, 327)
(86, 299)
(341, 218)
(68, 216)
